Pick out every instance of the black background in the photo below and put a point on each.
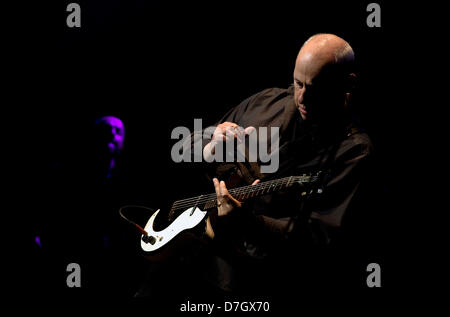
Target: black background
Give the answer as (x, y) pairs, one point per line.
(160, 64)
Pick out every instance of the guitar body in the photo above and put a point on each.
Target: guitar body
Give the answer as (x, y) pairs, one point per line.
(156, 239)
(185, 244)
(194, 211)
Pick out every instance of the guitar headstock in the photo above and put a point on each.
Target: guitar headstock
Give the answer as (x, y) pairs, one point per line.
(308, 182)
(308, 178)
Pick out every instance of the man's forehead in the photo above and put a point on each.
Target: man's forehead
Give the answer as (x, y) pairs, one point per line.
(306, 70)
(316, 69)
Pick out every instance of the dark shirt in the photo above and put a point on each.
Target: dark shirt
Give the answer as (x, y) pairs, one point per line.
(275, 229)
(274, 243)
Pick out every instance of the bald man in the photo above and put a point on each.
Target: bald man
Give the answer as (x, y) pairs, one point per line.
(322, 74)
(317, 133)
(266, 244)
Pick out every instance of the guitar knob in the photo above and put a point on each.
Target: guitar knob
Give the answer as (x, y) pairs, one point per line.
(149, 239)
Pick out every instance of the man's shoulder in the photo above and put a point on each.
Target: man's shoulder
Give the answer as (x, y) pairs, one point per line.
(274, 92)
(264, 108)
(274, 99)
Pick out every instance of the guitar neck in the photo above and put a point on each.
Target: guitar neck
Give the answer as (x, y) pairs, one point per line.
(241, 193)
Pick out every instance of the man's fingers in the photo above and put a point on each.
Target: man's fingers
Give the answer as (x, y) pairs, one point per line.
(223, 188)
(227, 123)
(229, 130)
(230, 133)
(249, 130)
(234, 201)
(255, 182)
(218, 134)
(240, 134)
(224, 192)
(216, 186)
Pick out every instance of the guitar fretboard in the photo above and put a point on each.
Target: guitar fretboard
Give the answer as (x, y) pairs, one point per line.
(241, 193)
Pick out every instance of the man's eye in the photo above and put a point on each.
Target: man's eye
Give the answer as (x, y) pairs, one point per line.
(299, 84)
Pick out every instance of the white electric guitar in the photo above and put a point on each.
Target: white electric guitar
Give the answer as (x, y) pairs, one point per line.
(196, 208)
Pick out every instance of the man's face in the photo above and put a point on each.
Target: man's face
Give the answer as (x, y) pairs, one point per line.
(111, 134)
(318, 90)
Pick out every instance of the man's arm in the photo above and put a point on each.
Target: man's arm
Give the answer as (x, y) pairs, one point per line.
(326, 211)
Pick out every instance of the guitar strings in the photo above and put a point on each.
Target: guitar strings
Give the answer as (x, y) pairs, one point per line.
(235, 191)
(241, 191)
(212, 198)
(246, 189)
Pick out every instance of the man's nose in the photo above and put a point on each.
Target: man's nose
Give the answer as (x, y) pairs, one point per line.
(301, 95)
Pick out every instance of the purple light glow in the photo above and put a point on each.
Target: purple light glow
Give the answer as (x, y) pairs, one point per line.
(37, 239)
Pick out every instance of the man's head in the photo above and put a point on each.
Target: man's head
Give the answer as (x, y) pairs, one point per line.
(323, 77)
(109, 135)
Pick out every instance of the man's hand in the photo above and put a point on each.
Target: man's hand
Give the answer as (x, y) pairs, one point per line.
(228, 130)
(225, 202)
(225, 132)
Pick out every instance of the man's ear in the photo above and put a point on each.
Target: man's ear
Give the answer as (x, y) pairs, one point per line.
(350, 86)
